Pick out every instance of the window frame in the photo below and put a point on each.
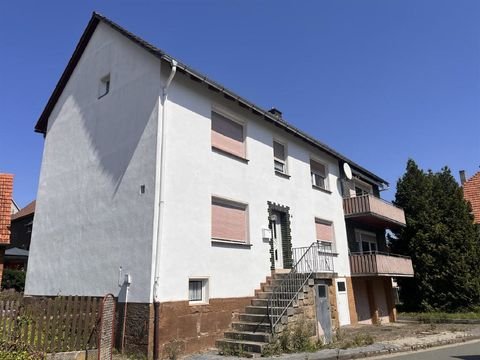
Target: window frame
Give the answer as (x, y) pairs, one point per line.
(229, 115)
(283, 161)
(204, 291)
(325, 179)
(366, 188)
(359, 240)
(323, 242)
(235, 203)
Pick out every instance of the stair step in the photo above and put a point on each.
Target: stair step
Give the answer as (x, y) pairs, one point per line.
(257, 318)
(281, 295)
(249, 336)
(264, 302)
(241, 346)
(251, 326)
(279, 288)
(256, 309)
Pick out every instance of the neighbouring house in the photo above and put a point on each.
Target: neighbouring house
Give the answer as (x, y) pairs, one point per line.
(6, 189)
(214, 219)
(15, 208)
(16, 254)
(471, 193)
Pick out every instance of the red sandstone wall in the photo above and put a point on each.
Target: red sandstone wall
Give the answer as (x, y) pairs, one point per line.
(197, 326)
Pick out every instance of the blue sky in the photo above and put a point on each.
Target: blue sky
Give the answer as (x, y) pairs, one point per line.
(379, 81)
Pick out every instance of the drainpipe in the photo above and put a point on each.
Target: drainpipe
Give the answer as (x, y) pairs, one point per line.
(161, 154)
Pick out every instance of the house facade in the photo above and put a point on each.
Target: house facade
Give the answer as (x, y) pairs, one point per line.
(471, 193)
(16, 255)
(6, 191)
(182, 199)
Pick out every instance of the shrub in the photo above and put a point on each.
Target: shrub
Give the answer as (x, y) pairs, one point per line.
(13, 279)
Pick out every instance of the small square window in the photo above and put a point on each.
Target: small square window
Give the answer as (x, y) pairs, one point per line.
(197, 291)
(104, 86)
(341, 286)
(322, 291)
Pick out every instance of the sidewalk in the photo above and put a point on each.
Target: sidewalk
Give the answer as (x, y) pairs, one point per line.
(423, 336)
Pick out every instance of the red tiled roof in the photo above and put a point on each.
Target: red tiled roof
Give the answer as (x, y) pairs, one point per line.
(471, 192)
(6, 189)
(26, 210)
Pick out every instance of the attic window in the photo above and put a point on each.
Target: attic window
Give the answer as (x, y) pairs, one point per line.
(104, 86)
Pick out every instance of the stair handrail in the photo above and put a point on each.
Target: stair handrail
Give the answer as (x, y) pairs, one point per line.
(292, 284)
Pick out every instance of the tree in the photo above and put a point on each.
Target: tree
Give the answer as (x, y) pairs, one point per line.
(441, 239)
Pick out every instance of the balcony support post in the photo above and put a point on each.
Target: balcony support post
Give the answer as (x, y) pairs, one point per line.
(392, 311)
(371, 302)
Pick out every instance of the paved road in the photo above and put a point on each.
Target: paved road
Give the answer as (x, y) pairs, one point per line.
(468, 351)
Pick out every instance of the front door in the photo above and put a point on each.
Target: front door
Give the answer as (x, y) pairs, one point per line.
(277, 239)
(342, 302)
(324, 322)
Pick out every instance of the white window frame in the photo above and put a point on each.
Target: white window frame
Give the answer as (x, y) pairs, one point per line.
(223, 111)
(312, 173)
(205, 290)
(333, 247)
(104, 86)
(227, 201)
(365, 187)
(282, 161)
(358, 238)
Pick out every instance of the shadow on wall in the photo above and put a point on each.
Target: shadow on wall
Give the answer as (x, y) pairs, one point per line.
(113, 125)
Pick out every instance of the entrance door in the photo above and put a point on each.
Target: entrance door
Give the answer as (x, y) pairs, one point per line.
(342, 302)
(277, 239)
(324, 322)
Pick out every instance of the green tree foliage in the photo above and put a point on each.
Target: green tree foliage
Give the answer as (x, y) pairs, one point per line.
(441, 239)
(13, 279)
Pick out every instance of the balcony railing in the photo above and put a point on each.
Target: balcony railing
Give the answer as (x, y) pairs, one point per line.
(380, 264)
(367, 207)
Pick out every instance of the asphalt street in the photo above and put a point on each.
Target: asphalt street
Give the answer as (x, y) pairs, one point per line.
(467, 351)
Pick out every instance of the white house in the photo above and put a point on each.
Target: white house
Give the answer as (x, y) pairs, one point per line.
(159, 183)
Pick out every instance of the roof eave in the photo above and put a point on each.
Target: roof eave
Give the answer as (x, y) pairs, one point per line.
(42, 123)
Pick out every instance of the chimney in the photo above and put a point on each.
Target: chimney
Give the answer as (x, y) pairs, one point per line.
(463, 179)
(275, 112)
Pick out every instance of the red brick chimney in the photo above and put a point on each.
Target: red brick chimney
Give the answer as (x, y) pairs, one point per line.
(6, 189)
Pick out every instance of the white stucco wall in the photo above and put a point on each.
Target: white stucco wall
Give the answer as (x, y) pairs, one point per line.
(194, 173)
(90, 217)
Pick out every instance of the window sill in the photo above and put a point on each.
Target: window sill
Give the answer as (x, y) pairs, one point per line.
(230, 243)
(334, 254)
(281, 174)
(230, 155)
(321, 189)
(197, 303)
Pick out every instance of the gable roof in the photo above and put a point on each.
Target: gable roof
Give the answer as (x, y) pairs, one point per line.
(26, 210)
(471, 193)
(96, 18)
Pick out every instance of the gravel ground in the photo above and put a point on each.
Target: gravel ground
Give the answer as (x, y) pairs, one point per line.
(401, 330)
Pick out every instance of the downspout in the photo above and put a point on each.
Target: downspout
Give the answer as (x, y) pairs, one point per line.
(161, 211)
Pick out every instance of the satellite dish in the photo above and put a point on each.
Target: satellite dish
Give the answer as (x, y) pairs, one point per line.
(348, 171)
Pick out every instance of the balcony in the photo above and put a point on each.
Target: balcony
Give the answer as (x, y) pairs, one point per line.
(380, 264)
(373, 211)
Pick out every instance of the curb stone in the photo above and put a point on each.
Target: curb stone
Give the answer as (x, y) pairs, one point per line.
(376, 349)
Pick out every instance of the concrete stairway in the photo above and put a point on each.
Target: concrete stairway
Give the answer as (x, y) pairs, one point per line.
(251, 332)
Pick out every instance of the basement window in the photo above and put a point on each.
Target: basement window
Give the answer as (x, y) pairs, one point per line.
(104, 86)
(198, 291)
